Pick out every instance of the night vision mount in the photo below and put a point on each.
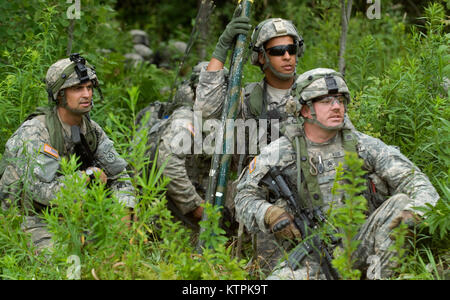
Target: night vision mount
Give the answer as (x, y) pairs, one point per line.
(80, 67)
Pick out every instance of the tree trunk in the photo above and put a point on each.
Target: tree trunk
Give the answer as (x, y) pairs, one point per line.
(206, 7)
(346, 10)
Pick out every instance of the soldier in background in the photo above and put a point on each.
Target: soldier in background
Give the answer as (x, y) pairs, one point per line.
(141, 48)
(318, 142)
(51, 133)
(168, 126)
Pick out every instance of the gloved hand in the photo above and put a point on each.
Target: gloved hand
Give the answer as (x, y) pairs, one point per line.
(407, 217)
(197, 213)
(237, 25)
(94, 171)
(280, 223)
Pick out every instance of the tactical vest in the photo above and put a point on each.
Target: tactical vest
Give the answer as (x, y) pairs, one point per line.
(256, 101)
(309, 188)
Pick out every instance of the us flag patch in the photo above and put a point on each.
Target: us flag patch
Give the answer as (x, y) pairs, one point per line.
(50, 150)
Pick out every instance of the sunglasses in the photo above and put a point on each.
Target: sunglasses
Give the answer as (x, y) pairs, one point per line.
(280, 50)
(331, 99)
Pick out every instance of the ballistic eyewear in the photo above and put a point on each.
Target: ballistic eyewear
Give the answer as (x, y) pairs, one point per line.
(280, 50)
(331, 99)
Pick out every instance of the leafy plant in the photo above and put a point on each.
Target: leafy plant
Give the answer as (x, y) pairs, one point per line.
(349, 216)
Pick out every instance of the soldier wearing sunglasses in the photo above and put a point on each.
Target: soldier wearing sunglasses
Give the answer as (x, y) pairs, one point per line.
(276, 45)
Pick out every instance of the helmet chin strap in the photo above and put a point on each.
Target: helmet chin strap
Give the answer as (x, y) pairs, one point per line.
(315, 121)
(279, 75)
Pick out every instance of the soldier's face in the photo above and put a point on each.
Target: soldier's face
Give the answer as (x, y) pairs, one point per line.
(329, 114)
(282, 63)
(78, 98)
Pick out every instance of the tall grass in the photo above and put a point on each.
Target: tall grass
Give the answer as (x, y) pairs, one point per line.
(394, 72)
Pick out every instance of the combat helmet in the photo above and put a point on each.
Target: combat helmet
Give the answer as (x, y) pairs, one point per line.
(315, 83)
(267, 30)
(68, 72)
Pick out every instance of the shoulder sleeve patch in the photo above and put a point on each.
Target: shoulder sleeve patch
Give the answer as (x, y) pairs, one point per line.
(51, 151)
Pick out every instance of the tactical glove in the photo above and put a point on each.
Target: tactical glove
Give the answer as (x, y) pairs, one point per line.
(280, 223)
(237, 25)
(407, 217)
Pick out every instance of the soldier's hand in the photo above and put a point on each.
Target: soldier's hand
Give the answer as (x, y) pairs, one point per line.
(197, 213)
(406, 217)
(237, 25)
(280, 223)
(96, 172)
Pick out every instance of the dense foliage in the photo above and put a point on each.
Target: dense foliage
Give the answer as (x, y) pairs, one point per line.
(396, 70)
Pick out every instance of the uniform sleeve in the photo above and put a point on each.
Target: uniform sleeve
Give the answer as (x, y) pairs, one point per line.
(180, 188)
(210, 93)
(250, 200)
(250, 203)
(398, 172)
(114, 167)
(32, 164)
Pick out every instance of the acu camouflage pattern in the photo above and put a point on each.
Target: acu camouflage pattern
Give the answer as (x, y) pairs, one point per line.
(32, 169)
(188, 172)
(398, 178)
(211, 93)
(314, 87)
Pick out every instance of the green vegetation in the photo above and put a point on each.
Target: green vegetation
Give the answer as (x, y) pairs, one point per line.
(396, 67)
(350, 217)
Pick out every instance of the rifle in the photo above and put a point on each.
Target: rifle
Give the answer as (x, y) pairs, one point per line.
(82, 148)
(215, 193)
(305, 221)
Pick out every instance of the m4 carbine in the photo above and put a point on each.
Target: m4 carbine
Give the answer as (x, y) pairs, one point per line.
(305, 222)
(82, 148)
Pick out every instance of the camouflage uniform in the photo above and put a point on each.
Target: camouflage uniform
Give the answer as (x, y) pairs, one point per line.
(212, 87)
(32, 165)
(399, 184)
(174, 137)
(185, 169)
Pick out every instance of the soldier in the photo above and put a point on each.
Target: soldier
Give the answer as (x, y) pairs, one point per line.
(188, 171)
(276, 46)
(396, 185)
(51, 133)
